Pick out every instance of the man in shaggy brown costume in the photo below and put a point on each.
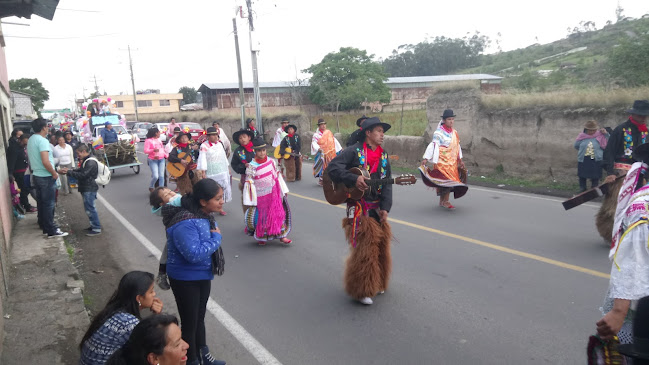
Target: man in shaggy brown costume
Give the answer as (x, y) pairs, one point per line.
(618, 158)
(368, 266)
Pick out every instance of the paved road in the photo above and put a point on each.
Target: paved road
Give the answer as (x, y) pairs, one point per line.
(507, 278)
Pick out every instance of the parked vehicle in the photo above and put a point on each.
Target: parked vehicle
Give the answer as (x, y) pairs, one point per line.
(122, 133)
(23, 125)
(162, 127)
(194, 128)
(141, 129)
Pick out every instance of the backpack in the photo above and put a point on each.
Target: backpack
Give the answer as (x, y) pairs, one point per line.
(103, 172)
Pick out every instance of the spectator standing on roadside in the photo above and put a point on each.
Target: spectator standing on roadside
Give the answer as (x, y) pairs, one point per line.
(41, 161)
(86, 175)
(157, 156)
(591, 144)
(17, 166)
(171, 128)
(64, 158)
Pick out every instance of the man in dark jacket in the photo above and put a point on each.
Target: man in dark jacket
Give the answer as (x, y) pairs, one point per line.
(368, 266)
(293, 164)
(17, 165)
(88, 188)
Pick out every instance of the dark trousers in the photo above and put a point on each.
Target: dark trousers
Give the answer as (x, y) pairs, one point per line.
(583, 183)
(24, 192)
(191, 299)
(46, 202)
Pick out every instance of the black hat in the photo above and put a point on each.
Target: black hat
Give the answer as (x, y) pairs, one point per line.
(639, 349)
(258, 143)
(641, 153)
(448, 113)
(236, 135)
(321, 121)
(189, 136)
(212, 130)
(290, 126)
(640, 107)
(360, 120)
(177, 129)
(370, 123)
(215, 122)
(249, 120)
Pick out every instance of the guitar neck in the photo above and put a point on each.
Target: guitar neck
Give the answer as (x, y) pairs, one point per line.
(375, 182)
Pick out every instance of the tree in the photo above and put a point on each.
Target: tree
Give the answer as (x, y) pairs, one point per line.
(34, 88)
(344, 79)
(439, 56)
(189, 94)
(628, 61)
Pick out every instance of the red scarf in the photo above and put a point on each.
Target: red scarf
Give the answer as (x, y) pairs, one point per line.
(248, 147)
(261, 161)
(182, 145)
(642, 127)
(447, 129)
(373, 158)
(291, 135)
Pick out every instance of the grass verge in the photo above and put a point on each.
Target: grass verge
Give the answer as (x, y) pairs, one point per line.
(70, 250)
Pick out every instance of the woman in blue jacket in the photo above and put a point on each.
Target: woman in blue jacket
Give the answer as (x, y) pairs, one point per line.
(192, 239)
(590, 144)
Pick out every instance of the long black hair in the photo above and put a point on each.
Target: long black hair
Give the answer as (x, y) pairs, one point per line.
(149, 336)
(205, 189)
(123, 299)
(152, 132)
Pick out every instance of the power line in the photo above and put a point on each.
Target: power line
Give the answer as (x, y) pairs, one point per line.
(79, 10)
(61, 38)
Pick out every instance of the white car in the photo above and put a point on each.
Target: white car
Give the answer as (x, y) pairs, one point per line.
(122, 133)
(162, 127)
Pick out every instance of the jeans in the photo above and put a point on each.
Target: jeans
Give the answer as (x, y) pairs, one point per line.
(583, 183)
(45, 202)
(24, 190)
(191, 299)
(65, 185)
(89, 206)
(157, 172)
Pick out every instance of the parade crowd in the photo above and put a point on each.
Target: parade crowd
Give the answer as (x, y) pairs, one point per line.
(191, 182)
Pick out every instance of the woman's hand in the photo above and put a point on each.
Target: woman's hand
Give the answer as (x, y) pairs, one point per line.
(461, 164)
(247, 165)
(424, 162)
(156, 306)
(156, 150)
(216, 229)
(603, 131)
(184, 162)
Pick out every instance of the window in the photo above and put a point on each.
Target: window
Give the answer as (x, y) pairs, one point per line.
(165, 102)
(144, 103)
(120, 104)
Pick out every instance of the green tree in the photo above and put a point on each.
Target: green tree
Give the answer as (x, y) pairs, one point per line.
(189, 94)
(628, 62)
(34, 88)
(344, 79)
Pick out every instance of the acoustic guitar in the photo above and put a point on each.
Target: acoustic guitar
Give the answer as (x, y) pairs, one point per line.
(589, 195)
(338, 193)
(176, 169)
(278, 154)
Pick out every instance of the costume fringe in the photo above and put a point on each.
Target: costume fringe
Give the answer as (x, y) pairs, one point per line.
(606, 215)
(369, 264)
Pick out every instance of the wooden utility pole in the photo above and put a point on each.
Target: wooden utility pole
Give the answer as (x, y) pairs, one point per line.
(403, 99)
(242, 99)
(255, 70)
(130, 62)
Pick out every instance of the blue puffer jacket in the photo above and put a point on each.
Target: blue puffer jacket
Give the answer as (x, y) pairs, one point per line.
(190, 246)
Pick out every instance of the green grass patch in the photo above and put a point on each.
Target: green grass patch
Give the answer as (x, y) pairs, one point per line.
(70, 250)
(87, 300)
(498, 178)
(414, 122)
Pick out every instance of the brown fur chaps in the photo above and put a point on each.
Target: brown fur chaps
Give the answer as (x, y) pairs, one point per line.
(606, 215)
(369, 264)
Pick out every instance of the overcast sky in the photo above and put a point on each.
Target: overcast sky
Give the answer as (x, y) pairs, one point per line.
(190, 42)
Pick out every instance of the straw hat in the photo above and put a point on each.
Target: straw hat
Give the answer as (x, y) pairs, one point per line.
(591, 125)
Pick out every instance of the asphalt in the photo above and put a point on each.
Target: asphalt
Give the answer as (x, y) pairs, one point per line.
(507, 278)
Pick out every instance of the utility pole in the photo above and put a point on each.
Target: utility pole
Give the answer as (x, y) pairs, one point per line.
(130, 62)
(255, 75)
(96, 87)
(242, 99)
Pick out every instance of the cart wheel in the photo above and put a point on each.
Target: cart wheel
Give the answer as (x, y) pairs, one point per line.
(136, 169)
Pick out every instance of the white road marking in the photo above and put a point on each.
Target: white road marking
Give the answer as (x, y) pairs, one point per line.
(253, 346)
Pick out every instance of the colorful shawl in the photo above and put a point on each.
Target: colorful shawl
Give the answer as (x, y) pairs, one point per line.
(269, 199)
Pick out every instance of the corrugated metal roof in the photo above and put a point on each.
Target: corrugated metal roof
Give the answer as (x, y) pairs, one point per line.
(391, 80)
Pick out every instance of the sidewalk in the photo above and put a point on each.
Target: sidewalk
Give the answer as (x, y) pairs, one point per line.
(45, 317)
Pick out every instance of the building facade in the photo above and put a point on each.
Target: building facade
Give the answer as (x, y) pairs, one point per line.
(22, 107)
(146, 104)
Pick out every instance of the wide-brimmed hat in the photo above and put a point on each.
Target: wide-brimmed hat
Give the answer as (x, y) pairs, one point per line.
(370, 123)
(177, 129)
(448, 113)
(360, 120)
(290, 126)
(238, 133)
(591, 125)
(321, 121)
(284, 121)
(189, 136)
(640, 107)
(258, 143)
(249, 120)
(212, 130)
(639, 349)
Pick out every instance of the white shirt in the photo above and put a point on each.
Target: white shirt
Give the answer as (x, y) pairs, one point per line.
(226, 142)
(279, 135)
(315, 146)
(63, 155)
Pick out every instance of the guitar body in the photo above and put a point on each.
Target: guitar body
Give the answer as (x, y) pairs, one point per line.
(338, 193)
(289, 152)
(176, 169)
(588, 195)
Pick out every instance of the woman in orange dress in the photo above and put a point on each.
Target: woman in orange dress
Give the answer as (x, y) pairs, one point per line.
(445, 154)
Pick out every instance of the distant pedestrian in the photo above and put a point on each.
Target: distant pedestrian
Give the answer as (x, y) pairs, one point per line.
(112, 326)
(193, 242)
(590, 145)
(18, 166)
(71, 140)
(86, 175)
(291, 145)
(156, 340)
(156, 157)
(171, 128)
(41, 161)
(63, 158)
(251, 125)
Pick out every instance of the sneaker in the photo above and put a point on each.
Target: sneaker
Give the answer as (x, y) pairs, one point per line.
(57, 233)
(207, 358)
(382, 292)
(31, 210)
(261, 243)
(366, 300)
(93, 233)
(163, 281)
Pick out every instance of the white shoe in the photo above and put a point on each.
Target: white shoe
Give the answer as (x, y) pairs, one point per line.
(366, 300)
(381, 292)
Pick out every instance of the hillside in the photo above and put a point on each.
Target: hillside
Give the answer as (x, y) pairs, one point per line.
(578, 59)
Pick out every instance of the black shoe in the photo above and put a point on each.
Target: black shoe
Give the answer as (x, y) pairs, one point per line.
(207, 358)
(163, 281)
(93, 233)
(57, 233)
